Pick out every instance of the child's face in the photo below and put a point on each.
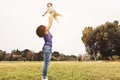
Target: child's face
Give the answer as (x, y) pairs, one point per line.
(49, 5)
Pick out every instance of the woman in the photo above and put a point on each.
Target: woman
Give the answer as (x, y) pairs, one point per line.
(43, 31)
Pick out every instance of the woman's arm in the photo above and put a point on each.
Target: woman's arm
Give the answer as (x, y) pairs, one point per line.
(49, 22)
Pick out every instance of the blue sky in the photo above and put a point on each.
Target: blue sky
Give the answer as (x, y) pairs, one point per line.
(20, 18)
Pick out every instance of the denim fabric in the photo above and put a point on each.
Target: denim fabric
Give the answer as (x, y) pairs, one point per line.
(47, 51)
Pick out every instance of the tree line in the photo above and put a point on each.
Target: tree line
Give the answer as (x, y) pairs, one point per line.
(28, 55)
(103, 42)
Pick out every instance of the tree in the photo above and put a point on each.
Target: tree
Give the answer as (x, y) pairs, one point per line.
(29, 56)
(24, 53)
(79, 57)
(104, 38)
(7, 57)
(62, 57)
(15, 55)
(56, 54)
(40, 56)
(2, 55)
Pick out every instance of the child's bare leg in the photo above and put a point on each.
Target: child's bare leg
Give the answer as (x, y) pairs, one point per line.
(55, 17)
(57, 14)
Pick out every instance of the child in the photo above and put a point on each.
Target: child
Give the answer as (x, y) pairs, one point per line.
(50, 9)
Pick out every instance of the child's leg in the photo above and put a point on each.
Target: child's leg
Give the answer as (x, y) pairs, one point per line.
(55, 17)
(57, 14)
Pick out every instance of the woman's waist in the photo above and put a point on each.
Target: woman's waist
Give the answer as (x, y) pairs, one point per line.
(48, 44)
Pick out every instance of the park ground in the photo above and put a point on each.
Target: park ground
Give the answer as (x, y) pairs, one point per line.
(99, 70)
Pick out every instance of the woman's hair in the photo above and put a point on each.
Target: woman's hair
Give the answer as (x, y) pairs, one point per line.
(40, 31)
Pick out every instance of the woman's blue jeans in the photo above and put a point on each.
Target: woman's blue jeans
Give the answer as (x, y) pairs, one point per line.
(47, 51)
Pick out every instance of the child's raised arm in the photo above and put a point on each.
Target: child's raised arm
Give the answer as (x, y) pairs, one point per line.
(44, 13)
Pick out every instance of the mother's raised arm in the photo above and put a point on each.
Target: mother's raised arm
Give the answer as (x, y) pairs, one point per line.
(50, 21)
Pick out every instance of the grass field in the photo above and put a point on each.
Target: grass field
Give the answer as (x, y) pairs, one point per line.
(60, 71)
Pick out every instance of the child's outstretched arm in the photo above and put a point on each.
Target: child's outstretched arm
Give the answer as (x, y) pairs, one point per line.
(44, 13)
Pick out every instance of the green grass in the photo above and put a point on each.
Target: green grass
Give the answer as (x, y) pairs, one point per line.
(60, 71)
